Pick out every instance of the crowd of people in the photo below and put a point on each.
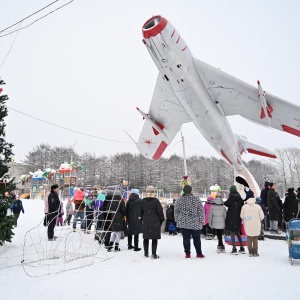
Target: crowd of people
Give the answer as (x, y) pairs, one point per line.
(115, 218)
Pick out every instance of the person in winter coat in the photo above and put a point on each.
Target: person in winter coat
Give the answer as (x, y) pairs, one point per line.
(46, 208)
(252, 215)
(263, 196)
(274, 208)
(79, 206)
(107, 217)
(233, 219)
(165, 206)
(216, 220)
(171, 220)
(189, 216)
(69, 211)
(134, 219)
(59, 220)
(290, 205)
(262, 233)
(17, 208)
(117, 206)
(89, 211)
(54, 206)
(99, 216)
(207, 206)
(152, 218)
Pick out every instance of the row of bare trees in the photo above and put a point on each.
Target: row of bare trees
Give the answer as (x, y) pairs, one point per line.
(167, 172)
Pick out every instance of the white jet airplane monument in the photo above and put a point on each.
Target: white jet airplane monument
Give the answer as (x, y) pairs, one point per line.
(189, 90)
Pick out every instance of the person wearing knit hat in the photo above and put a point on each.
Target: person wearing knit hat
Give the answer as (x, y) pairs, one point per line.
(252, 215)
(189, 216)
(207, 206)
(152, 216)
(134, 219)
(290, 205)
(233, 189)
(263, 196)
(134, 191)
(274, 208)
(233, 219)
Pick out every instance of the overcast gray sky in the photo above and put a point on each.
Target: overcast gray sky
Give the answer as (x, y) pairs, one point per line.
(85, 67)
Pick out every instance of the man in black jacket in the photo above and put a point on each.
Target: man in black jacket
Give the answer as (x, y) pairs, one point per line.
(54, 204)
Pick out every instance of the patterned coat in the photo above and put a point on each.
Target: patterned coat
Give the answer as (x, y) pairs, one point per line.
(189, 213)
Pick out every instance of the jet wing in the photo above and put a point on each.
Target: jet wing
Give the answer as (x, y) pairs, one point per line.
(235, 97)
(163, 121)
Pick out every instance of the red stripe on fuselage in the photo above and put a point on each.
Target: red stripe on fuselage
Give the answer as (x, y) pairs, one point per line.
(160, 150)
(291, 130)
(223, 153)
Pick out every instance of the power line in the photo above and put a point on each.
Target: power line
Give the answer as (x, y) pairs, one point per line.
(35, 20)
(29, 16)
(86, 134)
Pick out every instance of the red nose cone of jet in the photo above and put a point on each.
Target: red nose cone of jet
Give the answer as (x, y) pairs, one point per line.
(154, 26)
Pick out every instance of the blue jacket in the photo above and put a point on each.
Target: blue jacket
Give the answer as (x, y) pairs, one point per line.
(17, 207)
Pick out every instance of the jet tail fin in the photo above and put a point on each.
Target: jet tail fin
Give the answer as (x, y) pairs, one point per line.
(248, 147)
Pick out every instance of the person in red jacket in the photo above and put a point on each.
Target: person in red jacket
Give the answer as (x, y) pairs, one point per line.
(79, 206)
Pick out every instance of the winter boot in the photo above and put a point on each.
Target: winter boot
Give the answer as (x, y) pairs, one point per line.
(234, 252)
(255, 254)
(110, 246)
(130, 247)
(188, 255)
(200, 256)
(223, 249)
(117, 248)
(146, 248)
(250, 252)
(154, 256)
(218, 249)
(136, 245)
(242, 250)
(209, 236)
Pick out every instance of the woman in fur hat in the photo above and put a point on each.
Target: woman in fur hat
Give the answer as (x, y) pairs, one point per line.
(152, 218)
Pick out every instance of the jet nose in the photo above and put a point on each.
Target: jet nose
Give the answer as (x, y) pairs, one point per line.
(154, 26)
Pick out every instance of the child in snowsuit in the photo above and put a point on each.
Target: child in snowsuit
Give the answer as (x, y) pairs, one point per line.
(262, 234)
(59, 220)
(252, 215)
(216, 220)
(16, 208)
(207, 206)
(69, 211)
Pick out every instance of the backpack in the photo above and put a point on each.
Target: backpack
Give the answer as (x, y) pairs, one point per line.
(17, 207)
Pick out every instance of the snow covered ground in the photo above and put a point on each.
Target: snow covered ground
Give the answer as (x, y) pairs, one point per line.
(128, 275)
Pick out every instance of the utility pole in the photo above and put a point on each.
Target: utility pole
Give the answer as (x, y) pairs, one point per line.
(184, 157)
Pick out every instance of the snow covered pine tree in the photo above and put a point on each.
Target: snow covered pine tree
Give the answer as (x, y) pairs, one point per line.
(6, 184)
